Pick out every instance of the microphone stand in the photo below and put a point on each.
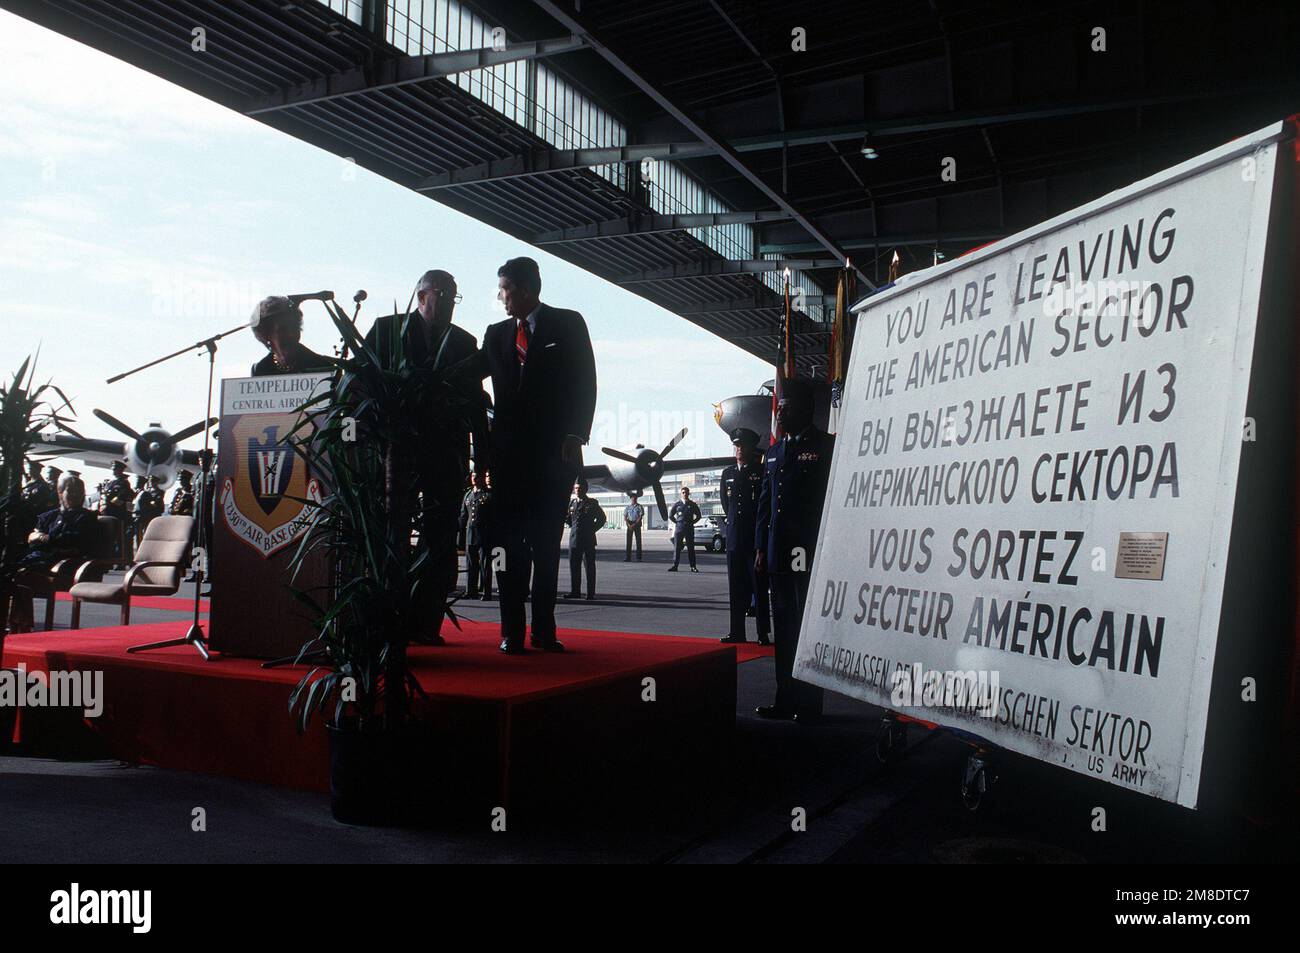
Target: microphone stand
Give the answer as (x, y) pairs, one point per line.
(194, 636)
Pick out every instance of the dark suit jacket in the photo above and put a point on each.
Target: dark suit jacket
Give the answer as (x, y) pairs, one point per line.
(795, 476)
(537, 406)
(741, 487)
(585, 519)
(71, 532)
(457, 346)
(305, 360)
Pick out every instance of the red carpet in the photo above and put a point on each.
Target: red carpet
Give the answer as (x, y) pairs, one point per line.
(168, 707)
(453, 671)
(747, 651)
(170, 603)
(744, 653)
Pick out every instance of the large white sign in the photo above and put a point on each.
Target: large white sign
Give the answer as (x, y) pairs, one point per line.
(1033, 482)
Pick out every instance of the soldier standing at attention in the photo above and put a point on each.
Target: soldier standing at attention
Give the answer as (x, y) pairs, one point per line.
(149, 505)
(633, 515)
(38, 494)
(684, 515)
(115, 500)
(741, 483)
(182, 503)
(585, 517)
(474, 519)
(796, 471)
(38, 497)
(486, 534)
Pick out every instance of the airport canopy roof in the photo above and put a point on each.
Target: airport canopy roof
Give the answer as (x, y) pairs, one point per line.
(692, 150)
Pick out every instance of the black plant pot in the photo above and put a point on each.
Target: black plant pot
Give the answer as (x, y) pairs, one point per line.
(378, 778)
(360, 775)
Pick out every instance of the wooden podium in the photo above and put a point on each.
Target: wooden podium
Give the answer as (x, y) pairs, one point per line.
(258, 517)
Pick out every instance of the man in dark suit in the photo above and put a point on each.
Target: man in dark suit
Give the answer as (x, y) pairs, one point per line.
(741, 484)
(796, 472)
(544, 387)
(65, 533)
(430, 341)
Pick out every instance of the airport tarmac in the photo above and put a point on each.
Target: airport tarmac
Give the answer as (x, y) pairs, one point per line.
(857, 809)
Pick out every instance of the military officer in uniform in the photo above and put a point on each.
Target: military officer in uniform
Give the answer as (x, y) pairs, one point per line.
(38, 494)
(796, 471)
(38, 497)
(684, 515)
(115, 500)
(741, 484)
(584, 518)
(182, 503)
(150, 504)
(633, 517)
(475, 520)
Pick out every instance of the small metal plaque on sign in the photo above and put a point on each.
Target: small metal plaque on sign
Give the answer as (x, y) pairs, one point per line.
(1141, 556)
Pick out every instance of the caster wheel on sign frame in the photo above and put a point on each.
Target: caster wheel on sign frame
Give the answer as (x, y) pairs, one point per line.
(891, 740)
(977, 781)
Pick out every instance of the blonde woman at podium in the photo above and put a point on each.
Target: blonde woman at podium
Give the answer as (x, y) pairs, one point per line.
(279, 328)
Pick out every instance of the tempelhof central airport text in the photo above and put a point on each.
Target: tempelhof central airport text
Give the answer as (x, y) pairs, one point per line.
(1004, 425)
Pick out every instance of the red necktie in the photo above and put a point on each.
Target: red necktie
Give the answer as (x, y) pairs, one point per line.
(521, 341)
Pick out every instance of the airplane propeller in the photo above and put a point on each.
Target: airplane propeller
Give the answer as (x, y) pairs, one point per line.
(116, 424)
(153, 453)
(650, 467)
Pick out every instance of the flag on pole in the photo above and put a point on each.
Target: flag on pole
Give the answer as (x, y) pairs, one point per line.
(789, 319)
(784, 359)
(835, 356)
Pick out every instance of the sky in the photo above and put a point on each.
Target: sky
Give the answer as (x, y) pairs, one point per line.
(137, 218)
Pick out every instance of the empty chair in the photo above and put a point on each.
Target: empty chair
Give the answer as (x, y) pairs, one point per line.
(160, 562)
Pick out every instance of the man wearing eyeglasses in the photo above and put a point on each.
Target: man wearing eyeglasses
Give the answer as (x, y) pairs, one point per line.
(431, 341)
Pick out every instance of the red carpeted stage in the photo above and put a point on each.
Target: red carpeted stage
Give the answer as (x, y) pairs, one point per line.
(506, 730)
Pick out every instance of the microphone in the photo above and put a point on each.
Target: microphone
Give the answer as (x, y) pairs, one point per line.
(316, 296)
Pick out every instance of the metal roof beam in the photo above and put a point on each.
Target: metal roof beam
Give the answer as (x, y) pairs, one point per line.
(726, 266)
(542, 161)
(748, 306)
(885, 241)
(655, 224)
(974, 118)
(729, 155)
(776, 333)
(405, 70)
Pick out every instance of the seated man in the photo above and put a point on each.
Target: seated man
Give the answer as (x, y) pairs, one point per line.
(65, 533)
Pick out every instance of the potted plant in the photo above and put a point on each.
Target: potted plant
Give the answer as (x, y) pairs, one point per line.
(26, 409)
(361, 437)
